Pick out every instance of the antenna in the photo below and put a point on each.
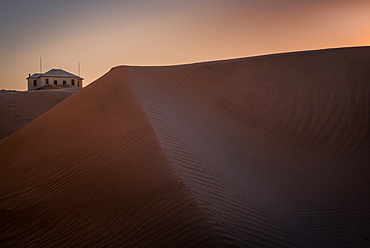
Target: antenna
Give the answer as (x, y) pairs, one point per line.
(78, 68)
(40, 64)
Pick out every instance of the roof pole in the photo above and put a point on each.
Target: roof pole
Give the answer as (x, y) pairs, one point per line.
(40, 64)
(78, 68)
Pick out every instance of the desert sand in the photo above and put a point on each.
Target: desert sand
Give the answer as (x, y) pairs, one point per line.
(268, 151)
(18, 108)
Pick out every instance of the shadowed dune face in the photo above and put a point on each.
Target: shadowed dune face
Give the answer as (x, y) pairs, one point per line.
(285, 138)
(269, 151)
(17, 109)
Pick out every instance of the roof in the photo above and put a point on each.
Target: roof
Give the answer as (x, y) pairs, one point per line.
(59, 73)
(55, 73)
(36, 75)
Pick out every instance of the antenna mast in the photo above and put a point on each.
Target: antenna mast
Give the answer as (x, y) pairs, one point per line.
(78, 68)
(40, 64)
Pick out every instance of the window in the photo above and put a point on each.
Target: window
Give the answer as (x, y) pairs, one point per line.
(34, 82)
(55, 82)
(73, 82)
(47, 81)
(64, 83)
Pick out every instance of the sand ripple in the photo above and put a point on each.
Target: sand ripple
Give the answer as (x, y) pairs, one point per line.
(271, 151)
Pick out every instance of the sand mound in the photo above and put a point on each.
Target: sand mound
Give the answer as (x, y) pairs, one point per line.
(19, 108)
(48, 87)
(269, 151)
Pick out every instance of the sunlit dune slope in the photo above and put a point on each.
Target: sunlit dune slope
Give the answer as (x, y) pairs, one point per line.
(91, 172)
(270, 151)
(17, 109)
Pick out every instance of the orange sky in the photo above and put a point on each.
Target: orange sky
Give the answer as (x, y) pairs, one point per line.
(103, 34)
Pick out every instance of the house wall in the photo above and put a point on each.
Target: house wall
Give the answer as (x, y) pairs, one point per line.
(42, 81)
(30, 83)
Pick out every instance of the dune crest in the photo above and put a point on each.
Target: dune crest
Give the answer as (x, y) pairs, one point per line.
(270, 151)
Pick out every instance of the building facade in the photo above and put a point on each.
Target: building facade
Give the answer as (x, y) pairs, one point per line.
(56, 78)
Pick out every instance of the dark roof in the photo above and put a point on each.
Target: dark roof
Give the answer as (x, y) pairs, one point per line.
(59, 73)
(55, 73)
(36, 75)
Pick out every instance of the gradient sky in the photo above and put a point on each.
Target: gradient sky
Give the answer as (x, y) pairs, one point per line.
(103, 34)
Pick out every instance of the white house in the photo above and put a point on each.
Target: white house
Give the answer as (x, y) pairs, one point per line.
(55, 78)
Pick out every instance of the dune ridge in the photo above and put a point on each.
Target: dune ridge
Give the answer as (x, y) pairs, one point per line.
(269, 151)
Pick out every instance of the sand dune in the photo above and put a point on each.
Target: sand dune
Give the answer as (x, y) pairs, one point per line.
(270, 151)
(17, 109)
